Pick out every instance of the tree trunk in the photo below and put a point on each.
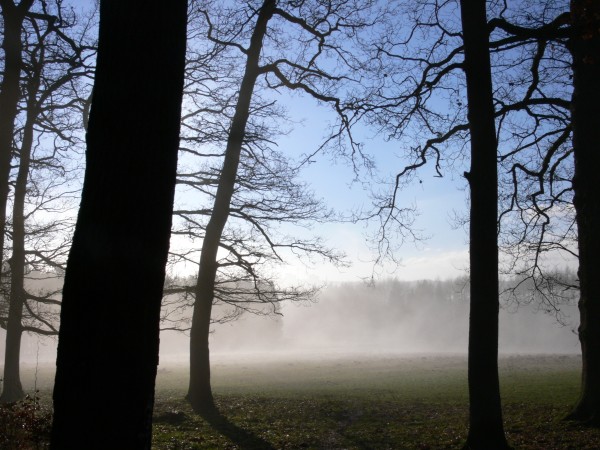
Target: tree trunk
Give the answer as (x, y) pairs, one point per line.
(585, 48)
(199, 391)
(109, 334)
(12, 45)
(12, 389)
(485, 413)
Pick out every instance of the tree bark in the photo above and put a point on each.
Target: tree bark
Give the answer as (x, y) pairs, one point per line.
(485, 414)
(12, 45)
(12, 389)
(585, 49)
(199, 392)
(109, 334)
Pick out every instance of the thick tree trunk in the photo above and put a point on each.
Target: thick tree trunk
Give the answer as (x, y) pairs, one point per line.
(585, 48)
(9, 96)
(109, 334)
(199, 391)
(485, 413)
(12, 389)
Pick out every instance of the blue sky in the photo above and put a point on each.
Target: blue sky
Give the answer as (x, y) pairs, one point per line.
(442, 255)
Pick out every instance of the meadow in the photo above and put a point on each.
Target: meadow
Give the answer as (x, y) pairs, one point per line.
(359, 401)
(368, 402)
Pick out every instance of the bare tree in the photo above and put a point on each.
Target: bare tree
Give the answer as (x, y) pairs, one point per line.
(486, 429)
(561, 206)
(585, 49)
(537, 220)
(199, 396)
(52, 68)
(419, 100)
(294, 64)
(12, 45)
(267, 193)
(122, 233)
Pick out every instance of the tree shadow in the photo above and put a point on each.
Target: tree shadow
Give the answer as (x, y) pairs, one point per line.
(241, 437)
(577, 419)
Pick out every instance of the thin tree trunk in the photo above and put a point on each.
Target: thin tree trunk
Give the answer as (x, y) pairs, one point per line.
(12, 389)
(199, 391)
(109, 334)
(485, 413)
(9, 97)
(585, 48)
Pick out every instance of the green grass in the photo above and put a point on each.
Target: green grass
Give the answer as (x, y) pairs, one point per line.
(364, 402)
(369, 402)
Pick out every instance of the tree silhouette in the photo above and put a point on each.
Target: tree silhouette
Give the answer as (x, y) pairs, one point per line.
(268, 193)
(199, 392)
(320, 29)
(12, 44)
(53, 69)
(418, 98)
(585, 49)
(108, 339)
(552, 189)
(486, 430)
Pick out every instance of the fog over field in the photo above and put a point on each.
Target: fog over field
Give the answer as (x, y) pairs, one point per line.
(396, 317)
(389, 317)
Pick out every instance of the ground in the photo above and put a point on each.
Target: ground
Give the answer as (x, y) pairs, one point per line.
(363, 402)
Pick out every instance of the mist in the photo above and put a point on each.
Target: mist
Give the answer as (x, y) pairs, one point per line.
(420, 316)
(398, 317)
(390, 317)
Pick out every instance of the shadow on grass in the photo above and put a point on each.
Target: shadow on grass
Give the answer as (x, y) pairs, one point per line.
(239, 436)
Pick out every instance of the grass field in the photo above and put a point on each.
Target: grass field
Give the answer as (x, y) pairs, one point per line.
(364, 402)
